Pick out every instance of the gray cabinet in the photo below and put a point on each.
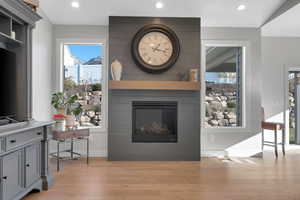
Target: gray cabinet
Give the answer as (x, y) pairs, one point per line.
(22, 138)
(24, 161)
(32, 164)
(12, 175)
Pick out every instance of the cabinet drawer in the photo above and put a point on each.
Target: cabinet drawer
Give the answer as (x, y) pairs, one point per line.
(22, 138)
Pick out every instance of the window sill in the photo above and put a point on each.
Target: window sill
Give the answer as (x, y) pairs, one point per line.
(226, 130)
(95, 130)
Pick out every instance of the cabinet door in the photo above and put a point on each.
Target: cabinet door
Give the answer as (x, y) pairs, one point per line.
(12, 174)
(32, 164)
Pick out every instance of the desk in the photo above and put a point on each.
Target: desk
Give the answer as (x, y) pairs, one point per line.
(75, 134)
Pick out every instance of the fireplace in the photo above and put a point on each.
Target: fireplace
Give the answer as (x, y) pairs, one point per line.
(154, 122)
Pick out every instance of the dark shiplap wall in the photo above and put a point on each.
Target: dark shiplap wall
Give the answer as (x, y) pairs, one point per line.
(123, 29)
(120, 146)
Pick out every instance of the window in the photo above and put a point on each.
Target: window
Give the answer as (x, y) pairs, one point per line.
(223, 80)
(83, 76)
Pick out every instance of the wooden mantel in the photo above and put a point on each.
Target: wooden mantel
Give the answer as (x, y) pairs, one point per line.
(154, 85)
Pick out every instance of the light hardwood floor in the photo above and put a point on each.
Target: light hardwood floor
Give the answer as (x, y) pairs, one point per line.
(210, 179)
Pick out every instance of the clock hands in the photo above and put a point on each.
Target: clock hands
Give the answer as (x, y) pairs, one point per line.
(165, 51)
(157, 49)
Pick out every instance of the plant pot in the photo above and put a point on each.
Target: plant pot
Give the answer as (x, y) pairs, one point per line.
(61, 111)
(60, 125)
(70, 121)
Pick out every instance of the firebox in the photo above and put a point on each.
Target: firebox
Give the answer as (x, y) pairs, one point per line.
(154, 121)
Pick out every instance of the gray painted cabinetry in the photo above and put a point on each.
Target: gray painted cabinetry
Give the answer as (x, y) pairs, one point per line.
(24, 164)
(12, 174)
(32, 164)
(23, 142)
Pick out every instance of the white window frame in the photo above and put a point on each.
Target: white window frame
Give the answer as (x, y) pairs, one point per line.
(245, 68)
(286, 117)
(59, 74)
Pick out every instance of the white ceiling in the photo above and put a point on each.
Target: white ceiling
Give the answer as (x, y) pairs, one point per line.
(286, 25)
(213, 12)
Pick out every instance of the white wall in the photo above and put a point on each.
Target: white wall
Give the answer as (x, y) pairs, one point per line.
(42, 69)
(238, 141)
(278, 55)
(98, 139)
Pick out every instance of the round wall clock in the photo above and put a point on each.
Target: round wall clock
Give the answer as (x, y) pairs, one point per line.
(155, 48)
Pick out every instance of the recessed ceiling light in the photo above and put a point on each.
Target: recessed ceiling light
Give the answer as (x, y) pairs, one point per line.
(159, 5)
(75, 4)
(241, 7)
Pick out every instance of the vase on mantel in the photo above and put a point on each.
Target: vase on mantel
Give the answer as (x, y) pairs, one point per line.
(116, 70)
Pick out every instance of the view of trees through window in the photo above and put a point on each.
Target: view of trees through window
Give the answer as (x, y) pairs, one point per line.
(223, 87)
(83, 77)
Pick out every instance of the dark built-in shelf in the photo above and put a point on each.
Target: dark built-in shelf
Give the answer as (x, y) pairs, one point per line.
(10, 41)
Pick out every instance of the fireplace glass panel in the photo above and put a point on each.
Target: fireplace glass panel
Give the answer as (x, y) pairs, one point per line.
(155, 122)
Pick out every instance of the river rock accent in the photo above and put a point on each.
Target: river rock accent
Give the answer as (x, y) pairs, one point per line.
(220, 105)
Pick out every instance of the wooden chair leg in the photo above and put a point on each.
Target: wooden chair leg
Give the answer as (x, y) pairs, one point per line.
(276, 144)
(57, 158)
(283, 141)
(87, 150)
(263, 139)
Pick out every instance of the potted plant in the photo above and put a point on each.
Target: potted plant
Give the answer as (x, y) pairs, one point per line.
(58, 102)
(77, 111)
(59, 121)
(71, 105)
(68, 106)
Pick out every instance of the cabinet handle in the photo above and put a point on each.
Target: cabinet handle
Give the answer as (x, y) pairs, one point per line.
(4, 177)
(27, 165)
(13, 141)
(39, 133)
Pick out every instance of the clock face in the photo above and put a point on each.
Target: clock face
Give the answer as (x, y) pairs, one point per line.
(155, 48)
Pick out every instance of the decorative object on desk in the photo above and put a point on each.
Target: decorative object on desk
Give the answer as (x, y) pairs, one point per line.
(58, 102)
(181, 76)
(116, 70)
(77, 111)
(59, 121)
(13, 35)
(193, 75)
(68, 105)
(73, 109)
(70, 121)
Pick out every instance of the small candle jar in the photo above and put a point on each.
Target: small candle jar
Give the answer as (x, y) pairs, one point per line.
(193, 76)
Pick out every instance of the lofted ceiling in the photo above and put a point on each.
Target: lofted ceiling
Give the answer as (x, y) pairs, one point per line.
(285, 25)
(213, 12)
